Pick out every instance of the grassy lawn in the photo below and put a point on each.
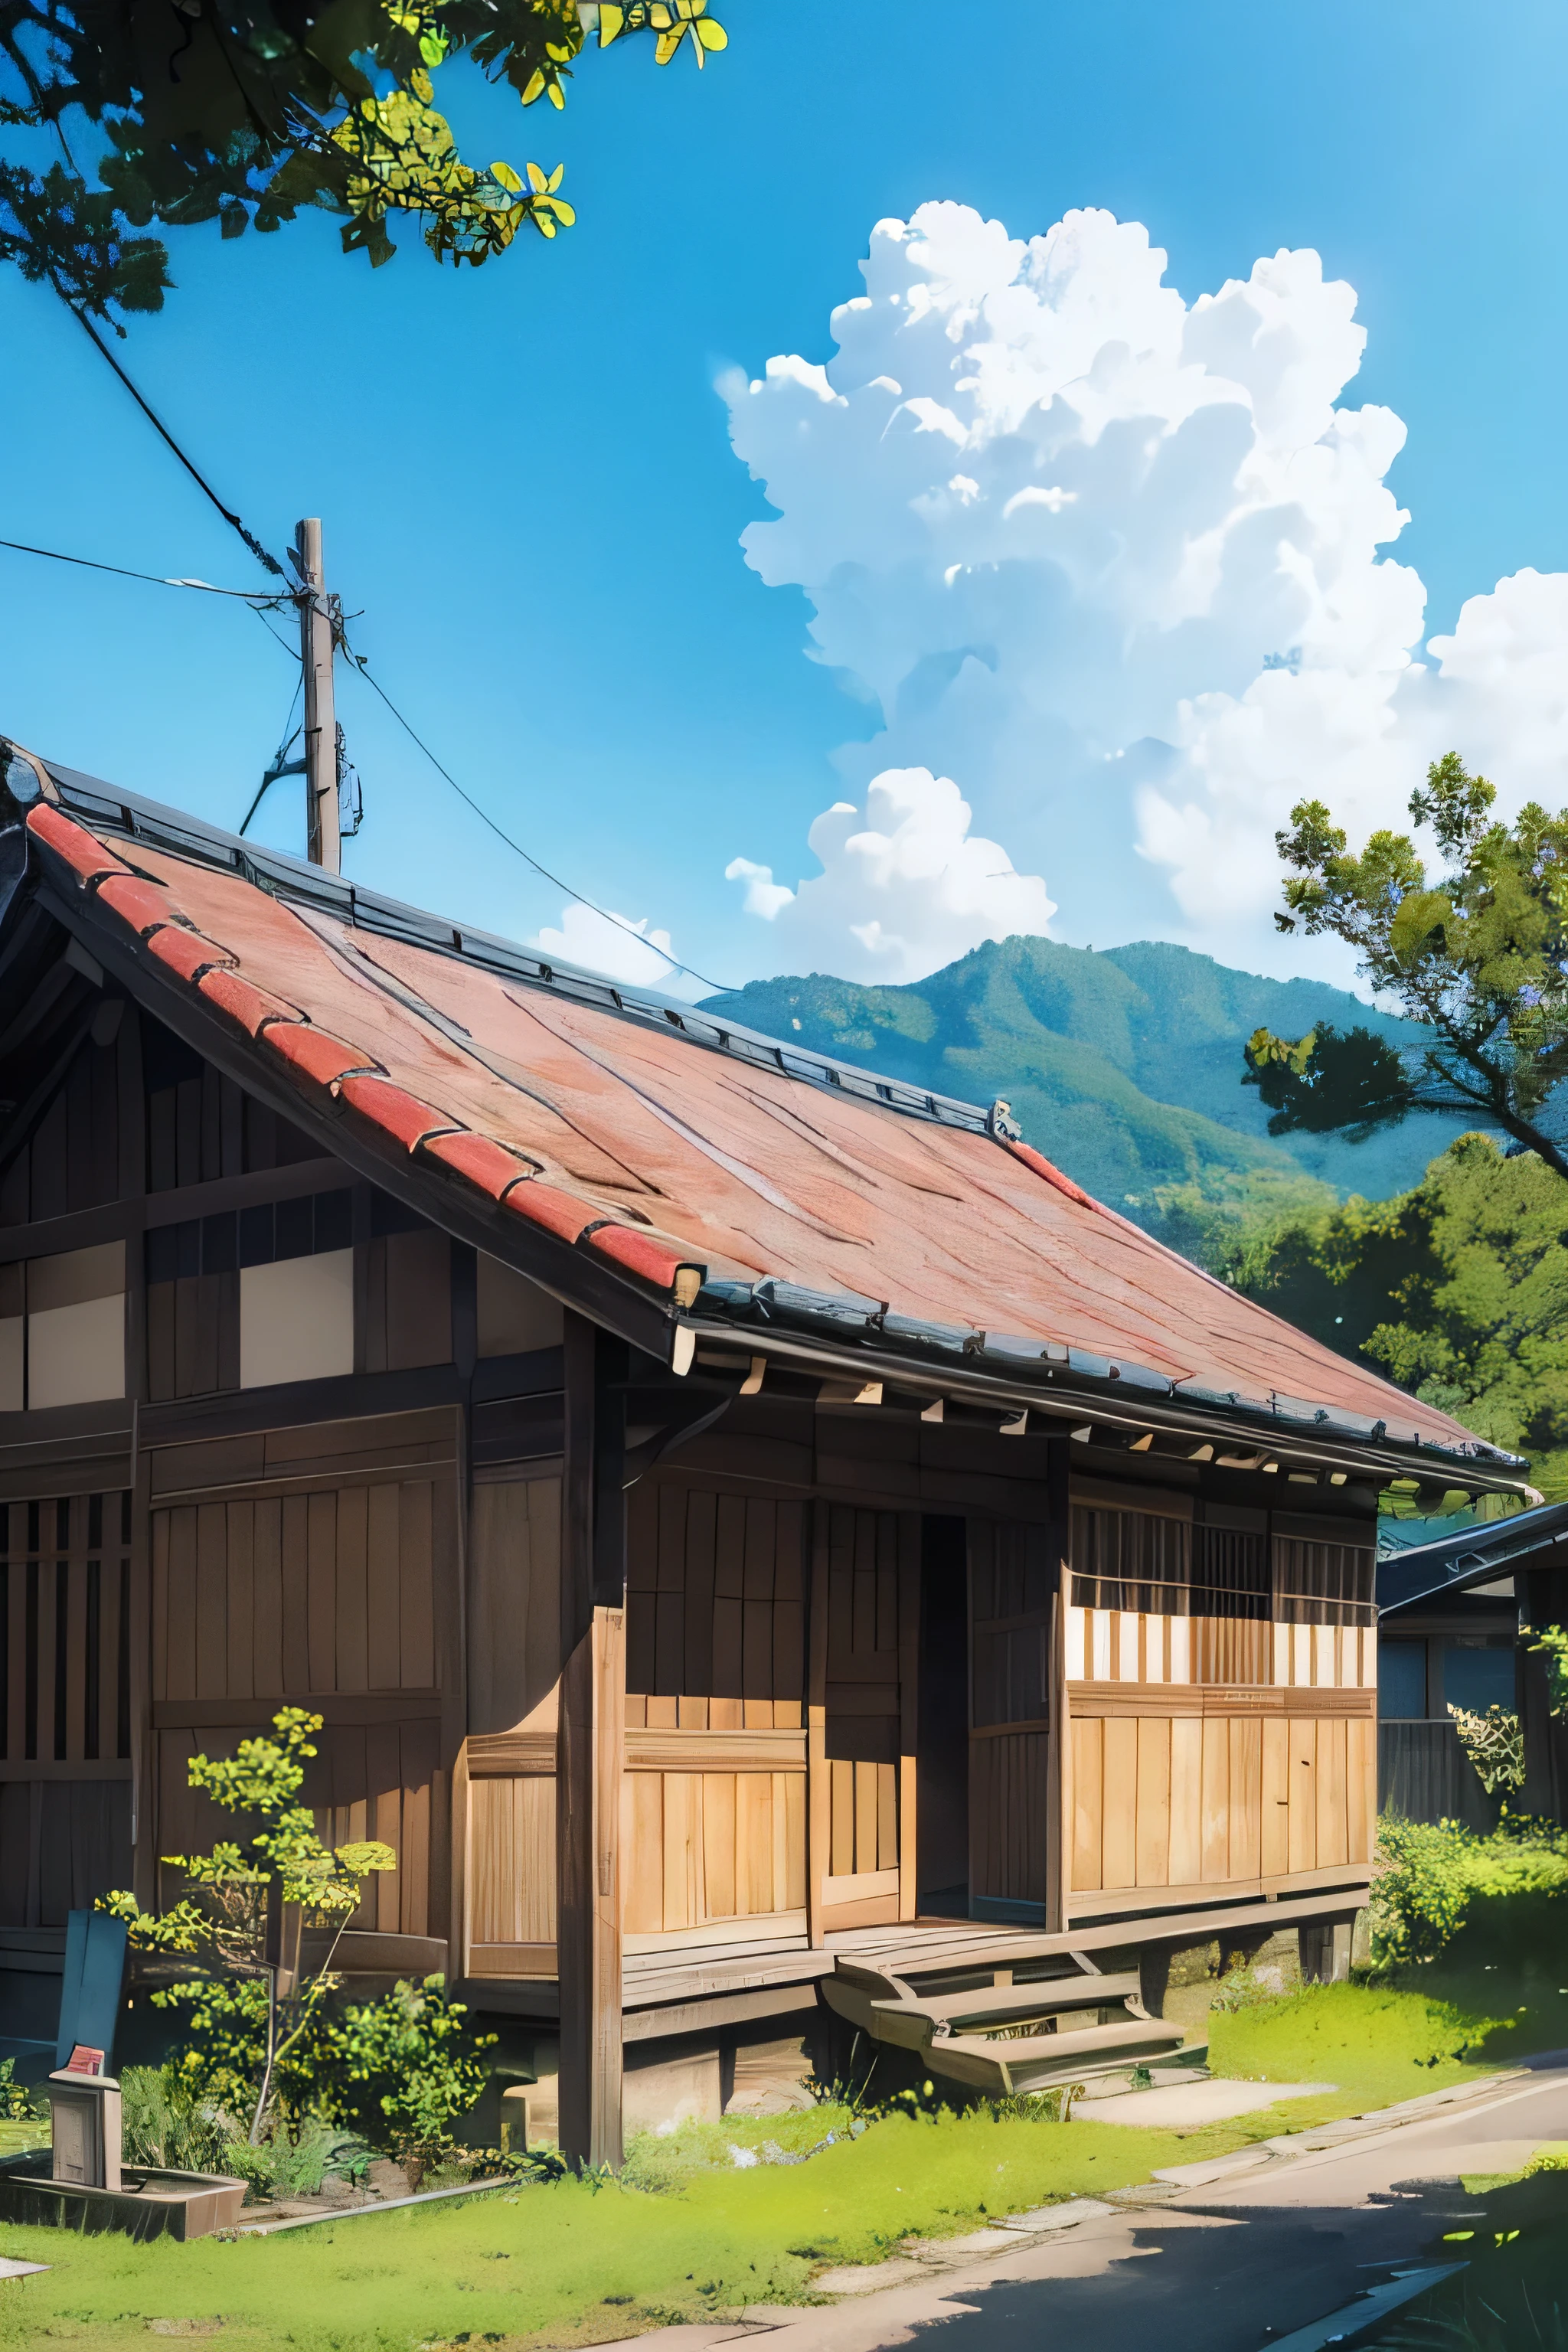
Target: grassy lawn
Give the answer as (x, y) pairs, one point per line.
(572, 2264)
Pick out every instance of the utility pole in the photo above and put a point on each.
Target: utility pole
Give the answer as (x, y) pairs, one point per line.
(317, 633)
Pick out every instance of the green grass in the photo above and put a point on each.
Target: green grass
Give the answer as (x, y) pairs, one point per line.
(569, 2263)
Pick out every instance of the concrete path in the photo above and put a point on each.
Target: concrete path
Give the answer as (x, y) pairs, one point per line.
(1257, 2247)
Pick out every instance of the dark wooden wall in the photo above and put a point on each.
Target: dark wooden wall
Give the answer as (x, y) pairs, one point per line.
(65, 1701)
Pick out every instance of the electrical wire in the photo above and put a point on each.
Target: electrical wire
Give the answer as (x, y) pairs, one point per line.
(252, 597)
(260, 604)
(267, 562)
(361, 664)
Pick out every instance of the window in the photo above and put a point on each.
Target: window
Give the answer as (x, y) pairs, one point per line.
(1402, 1680)
(65, 1594)
(1478, 1677)
(296, 1290)
(1230, 1573)
(1131, 1559)
(1323, 1583)
(515, 1315)
(62, 1329)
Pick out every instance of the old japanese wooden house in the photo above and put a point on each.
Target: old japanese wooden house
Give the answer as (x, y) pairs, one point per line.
(758, 1535)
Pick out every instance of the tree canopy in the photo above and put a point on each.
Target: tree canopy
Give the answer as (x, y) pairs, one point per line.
(1478, 954)
(1456, 1289)
(242, 111)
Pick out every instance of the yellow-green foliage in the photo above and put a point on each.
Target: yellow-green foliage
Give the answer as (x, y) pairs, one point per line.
(1434, 1873)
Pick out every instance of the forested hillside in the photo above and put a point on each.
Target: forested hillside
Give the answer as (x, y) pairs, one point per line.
(1124, 1066)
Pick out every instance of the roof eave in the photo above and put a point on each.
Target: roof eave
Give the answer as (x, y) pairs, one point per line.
(1074, 1400)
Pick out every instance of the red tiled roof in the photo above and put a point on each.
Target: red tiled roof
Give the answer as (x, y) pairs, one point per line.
(655, 1153)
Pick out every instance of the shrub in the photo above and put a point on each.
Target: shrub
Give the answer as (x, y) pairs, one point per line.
(404, 2068)
(17, 2104)
(1554, 1644)
(296, 2164)
(1494, 1742)
(168, 2125)
(1433, 1871)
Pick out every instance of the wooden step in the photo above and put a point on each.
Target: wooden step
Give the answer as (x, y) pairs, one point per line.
(1035, 2060)
(1002, 2003)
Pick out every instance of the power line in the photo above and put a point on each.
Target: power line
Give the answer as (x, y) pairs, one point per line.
(675, 963)
(268, 562)
(258, 605)
(252, 597)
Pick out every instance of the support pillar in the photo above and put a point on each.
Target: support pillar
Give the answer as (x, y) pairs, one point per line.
(591, 1747)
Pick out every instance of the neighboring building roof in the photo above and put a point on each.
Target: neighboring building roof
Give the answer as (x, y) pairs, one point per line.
(1530, 1538)
(868, 1218)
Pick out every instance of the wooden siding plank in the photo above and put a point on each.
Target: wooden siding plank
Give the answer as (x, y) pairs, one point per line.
(180, 1637)
(239, 1549)
(1216, 1800)
(382, 1601)
(212, 1601)
(796, 1791)
(1361, 1790)
(1186, 1850)
(1089, 1803)
(76, 1638)
(416, 1583)
(1302, 1812)
(351, 1633)
(841, 1849)
(383, 1785)
(267, 1597)
(753, 1843)
(295, 1593)
(719, 1843)
(112, 1630)
(1117, 1835)
(1246, 1798)
(757, 1604)
(1153, 1817)
(683, 1899)
(1332, 1825)
(1275, 1796)
(729, 1597)
(645, 1855)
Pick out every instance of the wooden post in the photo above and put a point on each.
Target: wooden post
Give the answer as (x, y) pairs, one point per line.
(323, 843)
(591, 1747)
(909, 1708)
(818, 1784)
(1058, 1742)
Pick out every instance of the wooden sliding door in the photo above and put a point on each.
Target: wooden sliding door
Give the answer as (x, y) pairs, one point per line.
(864, 1626)
(1012, 1837)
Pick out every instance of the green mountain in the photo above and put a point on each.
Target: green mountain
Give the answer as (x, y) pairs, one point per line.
(1122, 1065)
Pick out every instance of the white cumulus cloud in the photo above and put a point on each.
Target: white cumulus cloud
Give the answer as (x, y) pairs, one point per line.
(615, 947)
(905, 885)
(1118, 563)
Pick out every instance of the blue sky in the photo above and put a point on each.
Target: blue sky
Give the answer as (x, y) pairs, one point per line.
(525, 472)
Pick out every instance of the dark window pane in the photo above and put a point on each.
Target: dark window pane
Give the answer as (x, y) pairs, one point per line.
(334, 1221)
(220, 1244)
(294, 1227)
(1478, 1679)
(1402, 1679)
(188, 1242)
(256, 1242)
